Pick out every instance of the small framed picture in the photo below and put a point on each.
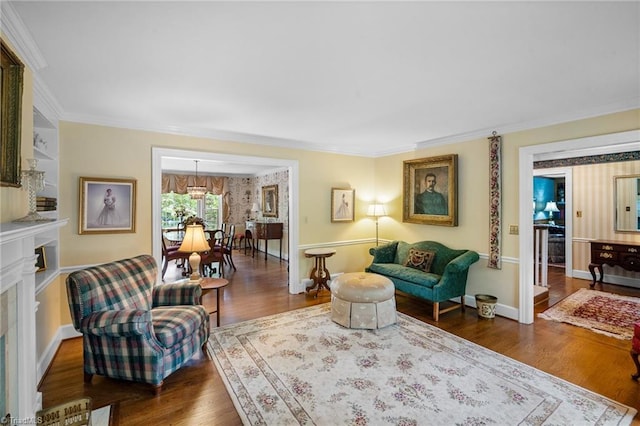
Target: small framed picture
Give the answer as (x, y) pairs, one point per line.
(430, 191)
(41, 261)
(270, 201)
(342, 204)
(107, 206)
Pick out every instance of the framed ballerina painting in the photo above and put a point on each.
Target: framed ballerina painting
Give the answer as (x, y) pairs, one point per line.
(342, 204)
(107, 206)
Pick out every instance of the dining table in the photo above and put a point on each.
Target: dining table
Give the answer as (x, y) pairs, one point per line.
(174, 237)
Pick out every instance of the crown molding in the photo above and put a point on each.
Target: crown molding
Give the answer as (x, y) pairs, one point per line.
(614, 107)
(20, 38)
(44, 100)
(221, 135)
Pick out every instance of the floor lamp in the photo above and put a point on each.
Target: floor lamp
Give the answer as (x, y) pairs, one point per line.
(376, 211)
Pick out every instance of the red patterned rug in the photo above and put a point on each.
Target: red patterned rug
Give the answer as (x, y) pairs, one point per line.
(605, 313)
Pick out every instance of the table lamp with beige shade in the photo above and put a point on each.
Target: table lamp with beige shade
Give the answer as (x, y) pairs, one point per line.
(194, 242)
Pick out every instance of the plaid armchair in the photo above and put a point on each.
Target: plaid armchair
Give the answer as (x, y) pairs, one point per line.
(132, 329)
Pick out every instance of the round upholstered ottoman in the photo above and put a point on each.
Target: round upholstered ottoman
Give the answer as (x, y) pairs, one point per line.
(363, 300)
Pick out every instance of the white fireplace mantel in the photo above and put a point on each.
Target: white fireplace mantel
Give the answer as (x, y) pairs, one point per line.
(18, 242)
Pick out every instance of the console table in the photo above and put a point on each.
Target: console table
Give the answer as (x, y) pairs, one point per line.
(613, 253)
(265, 231)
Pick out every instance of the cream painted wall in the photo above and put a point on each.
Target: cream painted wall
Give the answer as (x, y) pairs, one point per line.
(473, 197)
(98, 151)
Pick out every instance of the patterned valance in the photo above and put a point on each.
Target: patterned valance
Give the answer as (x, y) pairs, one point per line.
(178, 183)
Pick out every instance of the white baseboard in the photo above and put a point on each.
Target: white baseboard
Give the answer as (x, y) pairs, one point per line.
(64, 332)
(608, 278)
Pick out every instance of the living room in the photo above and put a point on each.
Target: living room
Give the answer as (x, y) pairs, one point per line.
(97, 149)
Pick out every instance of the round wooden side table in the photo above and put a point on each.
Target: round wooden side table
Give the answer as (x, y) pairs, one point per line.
(319, 274)
(207, 284)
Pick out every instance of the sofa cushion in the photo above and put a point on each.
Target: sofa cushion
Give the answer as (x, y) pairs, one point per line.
(444, 254)
(401, 272)
(173, 324)
(420, 259)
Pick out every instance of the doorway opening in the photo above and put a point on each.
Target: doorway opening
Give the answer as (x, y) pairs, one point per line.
(295, 285)
(605, 144)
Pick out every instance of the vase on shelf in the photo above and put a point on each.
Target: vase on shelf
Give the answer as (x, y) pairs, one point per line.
(32, 181)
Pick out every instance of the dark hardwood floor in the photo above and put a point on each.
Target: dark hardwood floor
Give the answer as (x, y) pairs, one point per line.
(196, 395)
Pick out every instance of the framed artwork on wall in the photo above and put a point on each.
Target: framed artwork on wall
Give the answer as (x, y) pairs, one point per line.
(107, 206)
(342, 204)
(11, 75)
(430, 191)
(270, 201)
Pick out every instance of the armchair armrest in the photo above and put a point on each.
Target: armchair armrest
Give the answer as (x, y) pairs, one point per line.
(177, 294)
(122, 323)
(385, 253)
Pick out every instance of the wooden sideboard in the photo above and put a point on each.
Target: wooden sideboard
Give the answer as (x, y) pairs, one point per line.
(613, 253)
(265, 231)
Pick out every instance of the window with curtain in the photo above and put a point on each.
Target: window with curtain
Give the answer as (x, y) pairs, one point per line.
(177, 204)
(177, 207)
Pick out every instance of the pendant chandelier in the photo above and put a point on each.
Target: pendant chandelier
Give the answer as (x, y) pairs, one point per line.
(196, 192)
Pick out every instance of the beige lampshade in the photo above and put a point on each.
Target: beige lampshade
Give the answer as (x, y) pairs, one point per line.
(194, 240)
(376, 210)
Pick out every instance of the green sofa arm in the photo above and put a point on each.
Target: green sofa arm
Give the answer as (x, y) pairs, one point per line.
(454, 279)
(385, 253)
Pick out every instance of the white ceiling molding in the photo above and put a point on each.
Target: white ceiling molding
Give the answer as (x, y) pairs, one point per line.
(44, 100)
(20, 38)
(623, 105)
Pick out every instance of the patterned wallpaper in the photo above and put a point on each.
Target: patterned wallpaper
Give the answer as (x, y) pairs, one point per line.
(248, 190)
(593, 190)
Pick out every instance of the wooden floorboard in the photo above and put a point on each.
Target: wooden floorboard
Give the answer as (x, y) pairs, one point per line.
(195, 394)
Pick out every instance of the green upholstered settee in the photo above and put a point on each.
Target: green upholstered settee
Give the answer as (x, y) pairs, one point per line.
(446, 279)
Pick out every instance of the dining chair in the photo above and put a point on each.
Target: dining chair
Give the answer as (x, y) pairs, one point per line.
(227, 248)
(214, 255)
(171, 253)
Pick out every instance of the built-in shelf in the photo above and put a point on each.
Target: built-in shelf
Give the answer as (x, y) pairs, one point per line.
(19, 280)
(41, 155)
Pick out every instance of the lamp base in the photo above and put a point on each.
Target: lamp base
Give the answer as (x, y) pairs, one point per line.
(194, 262)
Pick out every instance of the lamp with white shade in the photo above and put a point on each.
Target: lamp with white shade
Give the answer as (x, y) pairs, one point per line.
(194, 242)
(376, 211)
(551, 207)
(255, 209)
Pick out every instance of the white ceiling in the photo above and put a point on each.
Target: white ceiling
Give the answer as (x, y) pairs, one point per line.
(367, 78)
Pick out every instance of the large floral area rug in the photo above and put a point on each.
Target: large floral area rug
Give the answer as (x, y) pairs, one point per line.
(302, 368)
(605, 313)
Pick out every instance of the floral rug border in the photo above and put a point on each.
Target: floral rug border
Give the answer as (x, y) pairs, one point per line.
(299, 367)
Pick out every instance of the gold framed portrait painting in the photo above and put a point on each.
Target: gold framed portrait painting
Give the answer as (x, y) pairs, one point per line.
(270, 201)
(430, 190)
(107, 206)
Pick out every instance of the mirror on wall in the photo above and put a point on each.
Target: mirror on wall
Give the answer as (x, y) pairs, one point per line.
(627, 202)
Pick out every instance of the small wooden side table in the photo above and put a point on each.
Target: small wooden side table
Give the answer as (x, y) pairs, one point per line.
(207, 284)
(319, 274)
